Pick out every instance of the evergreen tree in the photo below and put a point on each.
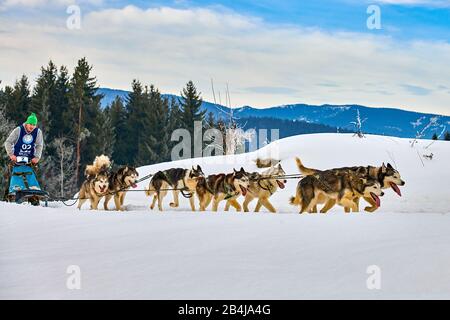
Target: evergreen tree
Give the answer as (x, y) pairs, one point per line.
(175, 115)
(118, 115)
(190, 104)
(7, 101)
(191, 112)
(152, 136)
(144, 153)
(447, 136)
(18, 108)
(158, 112)
(43, 99)
(107, 134)
(149, 124)
(59, 127)
(85, 115)
(175, 121)
(435, 136)
(6, 126)
(136, 121)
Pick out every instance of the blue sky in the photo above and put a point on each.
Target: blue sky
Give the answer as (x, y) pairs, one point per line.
(423, 20)
(269, 52)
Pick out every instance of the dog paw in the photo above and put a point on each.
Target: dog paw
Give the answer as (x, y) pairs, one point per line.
(173, 205)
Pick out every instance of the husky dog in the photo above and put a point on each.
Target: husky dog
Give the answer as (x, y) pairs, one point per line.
(263, 186)
(96, 184)
(218, 187)
(386, 175)
(119, 183)
(335, 187)
(101, 163)
(177, 178)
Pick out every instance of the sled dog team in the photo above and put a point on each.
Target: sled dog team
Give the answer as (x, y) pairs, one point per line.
(342, 186)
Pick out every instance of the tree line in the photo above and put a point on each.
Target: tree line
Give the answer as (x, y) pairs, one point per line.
(135, 132)
(446, 136)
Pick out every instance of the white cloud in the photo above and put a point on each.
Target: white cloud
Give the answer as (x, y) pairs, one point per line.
(168, 47)
(432, 3)
(5, 4)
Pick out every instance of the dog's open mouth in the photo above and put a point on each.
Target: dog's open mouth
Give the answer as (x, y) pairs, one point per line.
(396, 189)
(102, 189)
(243, 190)
(134, 185)
(280, 184)
(376, 199)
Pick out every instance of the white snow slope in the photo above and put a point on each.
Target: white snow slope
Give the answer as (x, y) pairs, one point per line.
(140, 254)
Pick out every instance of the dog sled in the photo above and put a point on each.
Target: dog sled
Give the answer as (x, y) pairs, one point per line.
(23, 184)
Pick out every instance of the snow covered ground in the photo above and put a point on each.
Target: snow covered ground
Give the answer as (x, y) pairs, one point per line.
(183, 255)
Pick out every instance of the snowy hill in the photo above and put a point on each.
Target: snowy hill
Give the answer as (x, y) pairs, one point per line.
(183, 255)
(382, 121)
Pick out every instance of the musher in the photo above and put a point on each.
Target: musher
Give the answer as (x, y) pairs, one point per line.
(25, 141)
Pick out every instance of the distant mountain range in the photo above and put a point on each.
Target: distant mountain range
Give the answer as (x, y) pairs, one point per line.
(381, 121)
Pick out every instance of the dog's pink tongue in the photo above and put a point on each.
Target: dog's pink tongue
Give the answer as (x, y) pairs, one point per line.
(396, 189)
(244, 191)
(134, 185)
(377, 199)
(280, 184)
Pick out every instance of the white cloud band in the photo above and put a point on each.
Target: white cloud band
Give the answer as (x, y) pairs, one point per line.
(169, 46)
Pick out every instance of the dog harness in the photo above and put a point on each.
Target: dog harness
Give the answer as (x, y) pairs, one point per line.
(269, 188)
(184, 191)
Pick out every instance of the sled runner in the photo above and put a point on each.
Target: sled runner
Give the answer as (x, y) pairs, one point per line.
(23, 185)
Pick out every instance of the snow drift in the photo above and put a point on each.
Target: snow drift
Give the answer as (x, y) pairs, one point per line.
(183, 255)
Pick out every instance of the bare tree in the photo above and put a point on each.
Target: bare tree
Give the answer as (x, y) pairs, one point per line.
(433, 123)
(358, 125)
(234, 135)
(66, 166)
(444, 128)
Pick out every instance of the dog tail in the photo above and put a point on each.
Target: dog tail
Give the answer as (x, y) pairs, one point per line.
(147, 191)
(101, 163)
(303, 169)
(295, 201)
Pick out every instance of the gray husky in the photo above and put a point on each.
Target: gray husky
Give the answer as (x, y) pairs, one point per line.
(176, 179)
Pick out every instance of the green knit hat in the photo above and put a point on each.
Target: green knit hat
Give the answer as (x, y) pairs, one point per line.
(32, 119)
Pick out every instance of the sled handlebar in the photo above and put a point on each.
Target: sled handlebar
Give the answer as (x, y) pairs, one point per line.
(21, 164)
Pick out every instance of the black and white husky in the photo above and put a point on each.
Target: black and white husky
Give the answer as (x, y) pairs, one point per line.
(119, 183)
(174, 179)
